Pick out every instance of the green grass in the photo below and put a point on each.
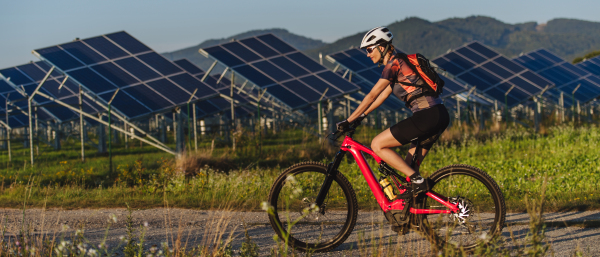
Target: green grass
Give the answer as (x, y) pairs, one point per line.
(144, 177)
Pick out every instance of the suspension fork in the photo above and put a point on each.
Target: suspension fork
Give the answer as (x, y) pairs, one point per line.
(332, 170)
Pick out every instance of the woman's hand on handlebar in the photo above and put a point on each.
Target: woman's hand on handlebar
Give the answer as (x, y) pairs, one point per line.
(346, 125)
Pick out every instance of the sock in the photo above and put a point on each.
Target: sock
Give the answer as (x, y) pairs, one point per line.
(416, 178)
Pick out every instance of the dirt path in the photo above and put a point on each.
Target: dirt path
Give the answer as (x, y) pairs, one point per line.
(566, 231)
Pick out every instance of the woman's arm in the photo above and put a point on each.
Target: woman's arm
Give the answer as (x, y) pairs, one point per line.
(370, 99)
(384, 95)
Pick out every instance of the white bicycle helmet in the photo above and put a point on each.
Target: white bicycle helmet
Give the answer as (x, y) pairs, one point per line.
(377, 36)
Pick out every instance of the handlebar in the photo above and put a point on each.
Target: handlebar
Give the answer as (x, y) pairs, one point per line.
(350, 130)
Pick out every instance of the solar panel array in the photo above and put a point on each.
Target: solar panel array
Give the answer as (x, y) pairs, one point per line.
(28, 76)
(16, 117)
(564, 75)
(148, 82)
(216, 105)
(492, 73)
(357, 61)
(591, 65)
(289, 75)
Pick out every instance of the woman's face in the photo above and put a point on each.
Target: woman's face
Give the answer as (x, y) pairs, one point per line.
(374, 54)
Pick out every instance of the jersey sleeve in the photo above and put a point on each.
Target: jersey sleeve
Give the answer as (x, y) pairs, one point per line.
(390, 71)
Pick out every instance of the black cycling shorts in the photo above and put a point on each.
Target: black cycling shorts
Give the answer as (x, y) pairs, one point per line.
(425, 125)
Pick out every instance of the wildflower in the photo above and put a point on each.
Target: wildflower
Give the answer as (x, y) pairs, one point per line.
(122, 238)
(112, 217)
(265, 206)
(291, 179)
(483, 236)
(145, 223)
(92, 252)
(296, 192)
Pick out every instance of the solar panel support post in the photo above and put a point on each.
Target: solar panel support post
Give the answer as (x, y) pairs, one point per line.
(29, 99)
(536, 114)
(81, 128)
(330, 122)
(468, 96)
(222, 75)
(37, 134)
(212, 66)
(8, 130)
(260, 95)
(578, 110)
(320, 119)
(232, 102)
(195, 128)
(321, 58)
(180, 140)
(506, 102)
(320, 114)
(345, 73)
(110, 132)
(458, 111)
(561, 102)
(173, 125)
(573, 101)
(126, 137)
(101, 136)
(188, 118)
(336, 68)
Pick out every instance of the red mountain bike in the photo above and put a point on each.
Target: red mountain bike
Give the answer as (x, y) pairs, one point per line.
(314, 206)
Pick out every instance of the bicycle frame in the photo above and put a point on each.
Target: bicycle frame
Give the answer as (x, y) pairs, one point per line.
(357, 150)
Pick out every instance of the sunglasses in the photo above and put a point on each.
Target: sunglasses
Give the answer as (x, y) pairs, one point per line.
(371, 48)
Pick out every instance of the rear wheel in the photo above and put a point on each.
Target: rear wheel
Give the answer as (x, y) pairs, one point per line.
(481, 203)
(295, 217)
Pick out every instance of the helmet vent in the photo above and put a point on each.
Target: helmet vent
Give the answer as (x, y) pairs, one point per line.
(371, 38)
(385, 30)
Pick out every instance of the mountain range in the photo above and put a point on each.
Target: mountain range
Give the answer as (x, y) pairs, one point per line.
(568, 38)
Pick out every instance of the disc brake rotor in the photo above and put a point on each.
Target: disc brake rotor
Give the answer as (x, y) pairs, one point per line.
(465, 208)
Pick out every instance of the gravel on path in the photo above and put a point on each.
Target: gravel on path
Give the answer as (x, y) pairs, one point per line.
(566, 231)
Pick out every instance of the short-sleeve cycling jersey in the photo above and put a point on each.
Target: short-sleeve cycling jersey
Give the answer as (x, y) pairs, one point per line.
(396, 70)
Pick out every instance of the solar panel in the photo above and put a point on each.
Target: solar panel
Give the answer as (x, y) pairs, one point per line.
(289, 75)
(591, 65)
(217, 105)
(492, 73)
(369, 73)
(148, 82)
(27, 78)
(564, 75)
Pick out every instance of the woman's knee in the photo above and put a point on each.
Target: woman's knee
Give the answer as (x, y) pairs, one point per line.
(376, 145)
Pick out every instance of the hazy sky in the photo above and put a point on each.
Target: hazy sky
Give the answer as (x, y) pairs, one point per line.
(169, 25)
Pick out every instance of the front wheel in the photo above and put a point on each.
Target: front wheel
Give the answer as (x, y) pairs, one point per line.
(295, 216)
(481, 203)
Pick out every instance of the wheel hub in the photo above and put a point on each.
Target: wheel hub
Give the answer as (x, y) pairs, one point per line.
(465, 208)
(310, 210)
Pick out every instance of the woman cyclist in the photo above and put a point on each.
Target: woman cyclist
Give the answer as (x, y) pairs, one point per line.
(430, 117)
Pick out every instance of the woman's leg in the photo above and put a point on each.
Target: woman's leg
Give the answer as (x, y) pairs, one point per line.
(381, 145)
